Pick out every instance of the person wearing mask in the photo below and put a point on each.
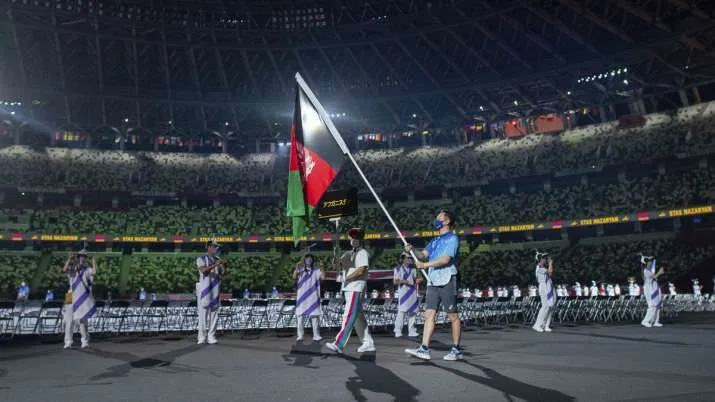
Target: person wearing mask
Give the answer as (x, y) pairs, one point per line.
(441, 253)
(652, 292)
(307, 303)
(544, 271)
(354, 281)
(406, 278)
(210, 268)
(79, 302)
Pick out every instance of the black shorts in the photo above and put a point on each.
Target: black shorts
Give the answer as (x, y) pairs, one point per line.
(445, 295)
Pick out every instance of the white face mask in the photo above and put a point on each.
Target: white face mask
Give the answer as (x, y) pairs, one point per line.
(354, 243)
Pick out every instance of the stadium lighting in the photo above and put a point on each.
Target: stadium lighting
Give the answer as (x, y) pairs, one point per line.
(516, 103)
(625, 82)
(568, 92)
(414, 115)
(12, 113)
(171, 122)
(126, 120)
(481, 108)
(343, 114)
(225, 124)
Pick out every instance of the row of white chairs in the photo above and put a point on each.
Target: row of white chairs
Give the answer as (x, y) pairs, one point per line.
(132, 317)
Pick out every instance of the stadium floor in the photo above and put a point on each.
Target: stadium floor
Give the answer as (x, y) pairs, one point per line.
(585, 363)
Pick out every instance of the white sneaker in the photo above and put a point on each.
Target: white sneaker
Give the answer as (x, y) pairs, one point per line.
(85, 345)
(547, 329)
(537, 329)
(366, 347)
(212, 341)
(332, 346)
(299, 339)
(645, 324)
(657, 324)
(201, 341)
(317, 338)
(398, 335)
(415, 335)
(68, 346)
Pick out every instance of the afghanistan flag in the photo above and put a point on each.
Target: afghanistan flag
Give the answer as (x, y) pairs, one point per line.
(315, 160)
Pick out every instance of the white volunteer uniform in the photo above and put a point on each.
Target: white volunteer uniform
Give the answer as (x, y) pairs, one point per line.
(652, 295)
(82, 307)
(610, 291)
(207, 298)
(407, 300)
(672, 290)
(548, 297)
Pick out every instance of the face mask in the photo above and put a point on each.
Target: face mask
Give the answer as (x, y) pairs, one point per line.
(354, 243)
(438, 223)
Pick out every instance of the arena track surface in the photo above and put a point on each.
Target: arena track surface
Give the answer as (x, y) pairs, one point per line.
(584, 363)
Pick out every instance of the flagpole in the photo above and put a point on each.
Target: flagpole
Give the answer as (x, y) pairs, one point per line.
(339, 139)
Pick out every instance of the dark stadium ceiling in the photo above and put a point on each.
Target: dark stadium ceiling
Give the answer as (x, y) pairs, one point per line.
(202, 64)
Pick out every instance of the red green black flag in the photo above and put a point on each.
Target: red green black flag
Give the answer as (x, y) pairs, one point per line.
(315, 160)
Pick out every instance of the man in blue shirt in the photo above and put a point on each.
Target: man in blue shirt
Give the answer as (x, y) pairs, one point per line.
(441, 254)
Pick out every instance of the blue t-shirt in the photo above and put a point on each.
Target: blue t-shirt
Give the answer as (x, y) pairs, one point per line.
(444, 245)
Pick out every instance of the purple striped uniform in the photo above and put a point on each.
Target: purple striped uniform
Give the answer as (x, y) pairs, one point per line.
(80, 279)
(308, 297)
(406, 293)
(209, 283)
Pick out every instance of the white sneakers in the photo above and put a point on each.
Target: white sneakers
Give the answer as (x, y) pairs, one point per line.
(212, 341)
(332, 346)
(366, 347)
(657, 324)
(315, 339)
(537, 329)
(69, 346)
(547, 329)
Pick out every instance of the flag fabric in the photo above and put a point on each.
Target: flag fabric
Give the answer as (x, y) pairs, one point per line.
(315, 160)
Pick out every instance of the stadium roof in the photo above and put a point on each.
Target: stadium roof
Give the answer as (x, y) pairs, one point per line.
(380, 65)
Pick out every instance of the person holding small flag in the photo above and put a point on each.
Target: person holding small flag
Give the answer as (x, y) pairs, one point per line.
(79, 302)
(406, 278)
(210, 268)
(544, 271)
(307, 302)
(651, 290)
